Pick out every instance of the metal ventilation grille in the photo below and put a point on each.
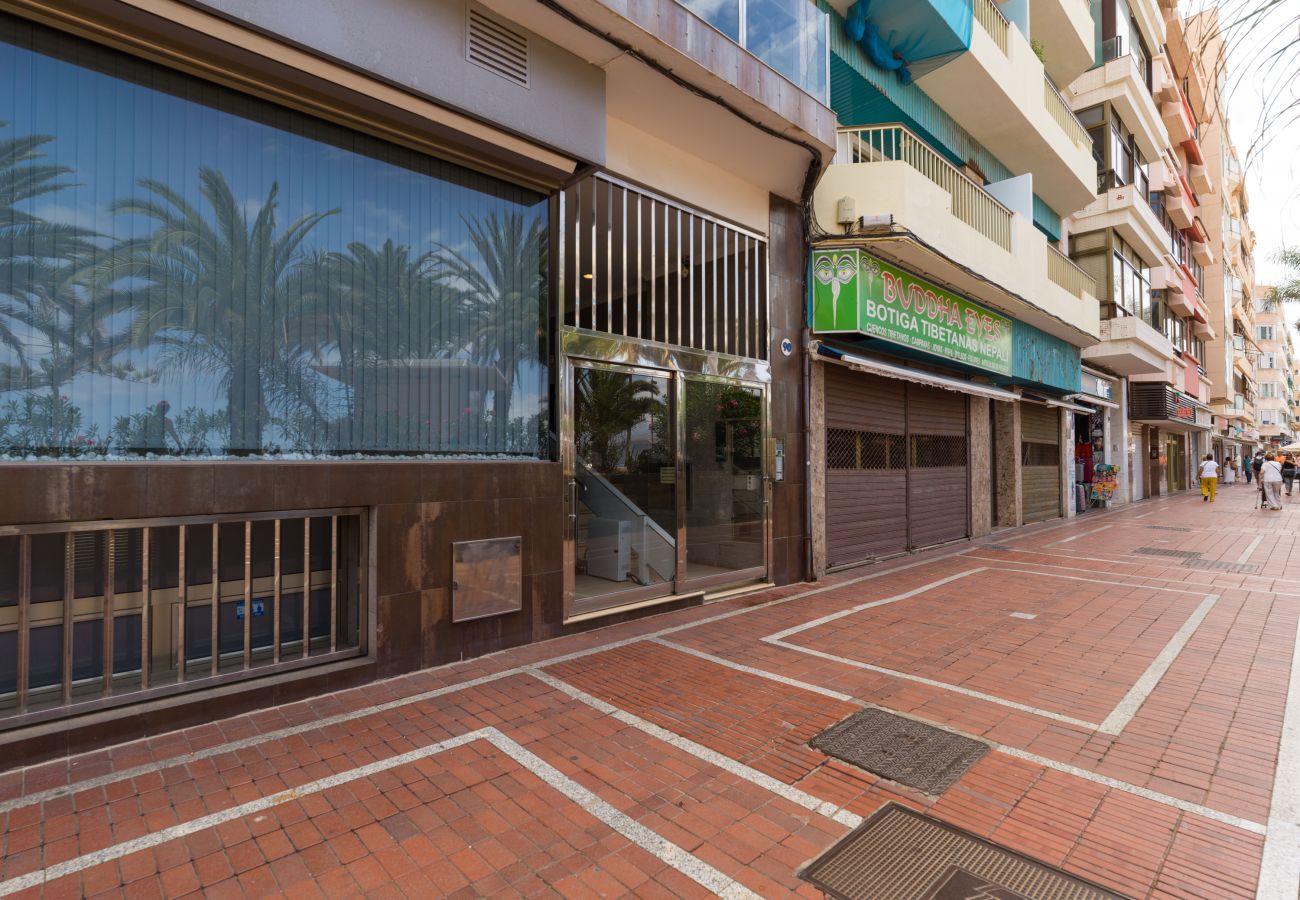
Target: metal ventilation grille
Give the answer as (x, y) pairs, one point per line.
(496, 48)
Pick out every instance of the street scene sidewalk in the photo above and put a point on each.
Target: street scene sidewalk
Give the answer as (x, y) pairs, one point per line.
(1127, 673)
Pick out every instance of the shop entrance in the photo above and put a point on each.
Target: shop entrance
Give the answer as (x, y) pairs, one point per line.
(667, 486)
(1040, 459)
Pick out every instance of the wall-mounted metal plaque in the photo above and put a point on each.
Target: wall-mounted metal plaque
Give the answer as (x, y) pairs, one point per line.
(486, 578)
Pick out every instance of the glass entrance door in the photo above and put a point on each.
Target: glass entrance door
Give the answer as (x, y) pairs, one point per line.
(722, 439)
(667, 486)
(624, 486)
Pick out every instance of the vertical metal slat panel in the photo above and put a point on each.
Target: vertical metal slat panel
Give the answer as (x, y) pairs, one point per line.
(24, 620)
(146, 609)
(182, 602)
(275, 595)
(214, 613)
(248, 594)
(306, 586)
(334, 583)
(110, 554)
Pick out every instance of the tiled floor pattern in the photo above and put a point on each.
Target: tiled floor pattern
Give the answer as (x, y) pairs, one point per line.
(669, 757)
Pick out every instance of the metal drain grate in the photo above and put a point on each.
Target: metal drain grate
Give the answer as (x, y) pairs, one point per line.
(1217, 566)
(899, 854)
(996, 546)
(1161, 551)
(1171, 528)
(917, 755)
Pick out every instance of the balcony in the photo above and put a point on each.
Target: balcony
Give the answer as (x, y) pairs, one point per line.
(1231, 173)
(1180, 291)
(1127, 211)
(956, 231)
(1121, 83)
(1179, 207)
(1129, 346)
(1178, 119)
(1065, 27)
(1200, 177)
(999, 92)
(1202, 253)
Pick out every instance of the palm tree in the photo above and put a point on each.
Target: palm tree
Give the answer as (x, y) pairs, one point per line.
(217, 294)
(382, 309)
(47, 321)
(503, 294)
(609, 405)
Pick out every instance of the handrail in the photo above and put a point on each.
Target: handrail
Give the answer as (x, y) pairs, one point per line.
(1064, 116)
(1064, 272)
(993, 22)
(896, 143)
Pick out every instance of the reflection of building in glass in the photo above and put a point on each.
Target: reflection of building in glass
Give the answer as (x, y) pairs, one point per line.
(359, 290)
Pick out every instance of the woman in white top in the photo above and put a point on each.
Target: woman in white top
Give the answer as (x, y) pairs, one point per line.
(1209, 477)
(1270, 475)
(1230, 471)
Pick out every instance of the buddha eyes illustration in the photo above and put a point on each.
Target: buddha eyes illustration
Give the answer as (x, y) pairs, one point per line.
(835, 271)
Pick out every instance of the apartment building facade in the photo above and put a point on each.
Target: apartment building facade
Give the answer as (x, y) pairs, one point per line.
(1144, 240)
(946, 319)
(1275, 373)
(1233, 354)
(341, 340)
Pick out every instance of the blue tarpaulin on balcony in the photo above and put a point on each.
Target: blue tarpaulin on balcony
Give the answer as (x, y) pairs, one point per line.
(921, 34)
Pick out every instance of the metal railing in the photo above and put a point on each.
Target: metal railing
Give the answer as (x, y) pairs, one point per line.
(896, 143)
(1063, 271)
(1064, 116)
(94, 614)
(993, 22)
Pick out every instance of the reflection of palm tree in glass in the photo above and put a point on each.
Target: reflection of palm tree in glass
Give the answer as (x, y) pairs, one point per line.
(47, 321)
(609, 406)
(384, 310)
(217, 296)
(502, 293)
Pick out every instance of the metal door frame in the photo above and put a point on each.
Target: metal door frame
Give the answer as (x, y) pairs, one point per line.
(586, 349)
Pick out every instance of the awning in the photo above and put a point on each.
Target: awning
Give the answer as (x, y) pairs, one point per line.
(873, 366)
(1063, 403)
(1095, 401)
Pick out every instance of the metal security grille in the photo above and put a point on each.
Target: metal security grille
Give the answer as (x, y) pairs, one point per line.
(936, 451)
(849, 450)
(896, 466)
(1040, 458)
(97, 613)
(638, 265)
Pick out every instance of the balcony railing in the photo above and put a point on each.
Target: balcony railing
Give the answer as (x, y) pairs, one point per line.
(95, 614)
(1062, 270)
(895, 143)
(993, 22)
(1064, 116)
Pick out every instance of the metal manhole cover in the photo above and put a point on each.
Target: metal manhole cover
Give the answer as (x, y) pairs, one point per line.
(995, 546)
(1218, 566)
(1170, 528)
(1161, 551)
(898, 854)
(911, 753)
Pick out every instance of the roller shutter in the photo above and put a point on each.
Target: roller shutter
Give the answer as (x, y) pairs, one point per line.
(1040, 459)
(896, 466)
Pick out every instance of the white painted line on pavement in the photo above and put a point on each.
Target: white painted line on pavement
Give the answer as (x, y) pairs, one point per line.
(1128, 707)
(813, 623)
(1082, 534)
(362, 712)
(1279, 869)
(778, 639)
(1245, 557)
(712, 757)
(1143, 516)
(1145, 793)
(661, 848)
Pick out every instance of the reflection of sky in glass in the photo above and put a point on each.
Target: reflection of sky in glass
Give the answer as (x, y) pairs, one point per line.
(113, 132)
(788, 35)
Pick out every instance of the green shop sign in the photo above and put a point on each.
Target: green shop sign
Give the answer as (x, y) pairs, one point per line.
(855, 292)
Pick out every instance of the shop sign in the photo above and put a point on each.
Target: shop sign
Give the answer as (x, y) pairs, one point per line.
(1105, 480)
(853, 291)
(1098, 387)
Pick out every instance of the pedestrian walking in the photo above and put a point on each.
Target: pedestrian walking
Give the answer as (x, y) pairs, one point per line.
(1270, 478)
(1248, 466)
(1255, 465)
(1209, 473)
(1230, 471)
(1288, 472)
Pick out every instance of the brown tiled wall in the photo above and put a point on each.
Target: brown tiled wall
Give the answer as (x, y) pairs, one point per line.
(787, 260)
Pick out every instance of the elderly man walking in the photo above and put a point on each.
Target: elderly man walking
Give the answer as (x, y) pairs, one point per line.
(1270, 476)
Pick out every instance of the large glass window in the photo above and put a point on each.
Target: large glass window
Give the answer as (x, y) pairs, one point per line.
(185, 270)
(791, 36)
